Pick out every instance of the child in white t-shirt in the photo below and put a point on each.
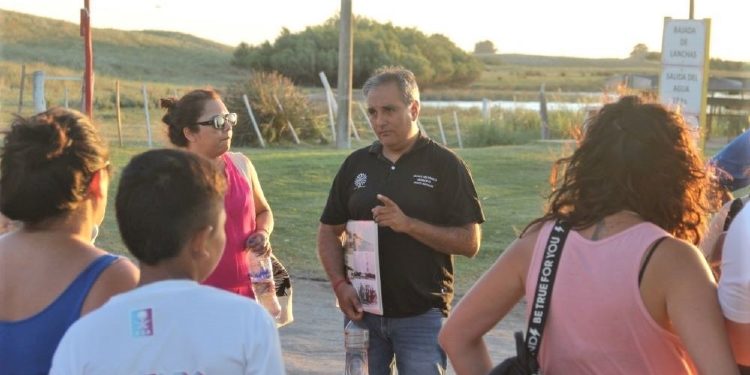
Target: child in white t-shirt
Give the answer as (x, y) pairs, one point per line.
(171, 216)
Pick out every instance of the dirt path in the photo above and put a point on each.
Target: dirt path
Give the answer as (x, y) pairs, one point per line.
(314, 343)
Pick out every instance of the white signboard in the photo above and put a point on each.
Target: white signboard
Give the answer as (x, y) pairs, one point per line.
(682, 86)
(684, 42)
(684, 58)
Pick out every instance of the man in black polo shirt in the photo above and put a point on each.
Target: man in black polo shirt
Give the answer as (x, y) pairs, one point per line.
(422, 197)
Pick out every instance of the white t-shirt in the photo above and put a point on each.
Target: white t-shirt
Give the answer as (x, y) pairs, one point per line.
(172, 327)
(734, 284)
(715, 228)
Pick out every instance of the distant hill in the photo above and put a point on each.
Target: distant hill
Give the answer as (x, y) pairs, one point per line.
(157, 56)
(563, 62)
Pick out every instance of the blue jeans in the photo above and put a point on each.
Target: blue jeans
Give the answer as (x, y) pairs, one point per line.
(413, 341)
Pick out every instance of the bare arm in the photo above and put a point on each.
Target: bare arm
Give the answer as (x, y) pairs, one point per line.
(459, 240)
(263, 214)
(679, 271)
(331, 254)
(259, 240)
(488, 301)
(739, 337)
(734, 286)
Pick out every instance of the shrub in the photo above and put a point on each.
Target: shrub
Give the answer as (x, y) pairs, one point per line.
(260, 89)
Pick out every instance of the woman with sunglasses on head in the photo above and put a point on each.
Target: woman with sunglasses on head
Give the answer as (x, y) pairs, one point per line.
(53, 183)
(200, 122)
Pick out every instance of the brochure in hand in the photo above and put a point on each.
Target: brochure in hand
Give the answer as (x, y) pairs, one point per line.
(363, 263)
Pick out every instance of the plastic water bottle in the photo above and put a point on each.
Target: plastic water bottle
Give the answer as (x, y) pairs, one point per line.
(356, 341)
(261, 279)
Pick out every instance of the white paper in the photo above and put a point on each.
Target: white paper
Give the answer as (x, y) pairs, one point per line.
(363, 263)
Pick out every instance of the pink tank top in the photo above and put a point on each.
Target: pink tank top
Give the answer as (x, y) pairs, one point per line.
(598, 323)
(231, 272)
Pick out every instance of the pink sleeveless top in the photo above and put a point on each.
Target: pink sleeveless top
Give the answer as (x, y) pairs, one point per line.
(598, 323)
(231, 272)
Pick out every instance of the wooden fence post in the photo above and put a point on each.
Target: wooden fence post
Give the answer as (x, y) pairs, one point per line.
(23, 81)
(117, 111)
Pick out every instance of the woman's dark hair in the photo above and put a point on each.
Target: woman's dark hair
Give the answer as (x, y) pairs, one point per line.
(184, 113)
(634, 156)
(164, 197)
(48, 161)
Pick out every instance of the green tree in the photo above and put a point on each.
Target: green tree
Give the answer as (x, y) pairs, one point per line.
(485, 46)
(640, 51)
(301, 56)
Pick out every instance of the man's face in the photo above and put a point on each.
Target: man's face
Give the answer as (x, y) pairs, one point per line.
(393, 121)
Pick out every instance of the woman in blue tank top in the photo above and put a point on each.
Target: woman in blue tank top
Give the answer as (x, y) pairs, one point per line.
(54, 176)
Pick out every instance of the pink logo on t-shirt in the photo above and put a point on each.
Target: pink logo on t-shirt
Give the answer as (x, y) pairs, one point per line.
(142, 323)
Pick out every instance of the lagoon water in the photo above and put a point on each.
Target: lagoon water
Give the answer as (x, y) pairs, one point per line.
(506, 104)
(579, 101)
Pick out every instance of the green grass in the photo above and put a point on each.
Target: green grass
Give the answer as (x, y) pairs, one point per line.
(510, 182)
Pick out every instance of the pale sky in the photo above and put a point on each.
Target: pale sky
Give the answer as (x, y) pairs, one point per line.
(579, 28)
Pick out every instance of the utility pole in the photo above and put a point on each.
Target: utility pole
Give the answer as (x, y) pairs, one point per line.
(692, 8)
(345, 76)
(88, 52)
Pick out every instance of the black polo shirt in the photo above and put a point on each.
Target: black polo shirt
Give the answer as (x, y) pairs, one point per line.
(429, 183)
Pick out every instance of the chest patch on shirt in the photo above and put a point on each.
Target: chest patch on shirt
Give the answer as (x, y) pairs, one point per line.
(142, 323)
(426, 181)
(360, 181)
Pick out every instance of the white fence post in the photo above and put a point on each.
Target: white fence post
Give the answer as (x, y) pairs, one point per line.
(148, 117)
(288, 123)
(330, 102)
(40, 105)
(421, 127)
(442, 132)
(252, 118)
(364, 113)
(458, 130)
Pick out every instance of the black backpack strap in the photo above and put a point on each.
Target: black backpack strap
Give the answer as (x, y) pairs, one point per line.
(545, 282)
(734, 209)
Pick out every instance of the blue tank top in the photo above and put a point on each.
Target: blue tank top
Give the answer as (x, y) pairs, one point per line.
(27, 346)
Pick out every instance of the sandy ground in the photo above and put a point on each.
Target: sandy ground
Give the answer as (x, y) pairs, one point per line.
(314, 344)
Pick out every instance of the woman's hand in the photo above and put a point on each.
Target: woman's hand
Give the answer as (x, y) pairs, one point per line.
(258, 242)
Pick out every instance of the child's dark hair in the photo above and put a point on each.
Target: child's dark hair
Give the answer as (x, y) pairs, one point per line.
(164, 197)
(48, 161)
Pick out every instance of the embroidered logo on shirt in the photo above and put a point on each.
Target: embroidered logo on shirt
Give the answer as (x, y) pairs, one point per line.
(427, 181)
(360, 181)
(142, 323)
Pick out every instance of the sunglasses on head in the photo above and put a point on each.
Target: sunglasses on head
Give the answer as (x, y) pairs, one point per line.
(220, 121)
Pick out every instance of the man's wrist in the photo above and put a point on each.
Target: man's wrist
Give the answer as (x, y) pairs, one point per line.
(335, 285)
(268, 233)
